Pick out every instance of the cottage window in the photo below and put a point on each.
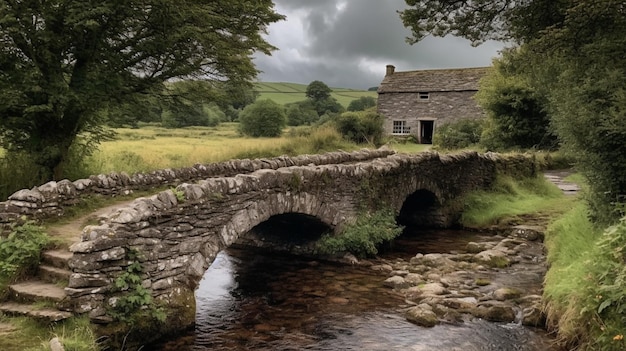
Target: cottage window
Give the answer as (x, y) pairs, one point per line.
(423, 96)
(400, 127)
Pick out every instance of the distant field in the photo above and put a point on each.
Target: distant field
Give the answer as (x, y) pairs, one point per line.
(284, 93)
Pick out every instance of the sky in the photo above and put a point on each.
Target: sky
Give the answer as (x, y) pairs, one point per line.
(348, 43)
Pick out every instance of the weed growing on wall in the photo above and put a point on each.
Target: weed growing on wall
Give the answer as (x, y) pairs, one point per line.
(20, 251)
(362, 237)
(135, 298)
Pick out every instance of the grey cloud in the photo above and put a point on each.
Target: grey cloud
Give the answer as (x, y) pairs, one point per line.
(350, 47)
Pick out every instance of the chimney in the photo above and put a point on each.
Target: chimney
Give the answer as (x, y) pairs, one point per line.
(390, 70)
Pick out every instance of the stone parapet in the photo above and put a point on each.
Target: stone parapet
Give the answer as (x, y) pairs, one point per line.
(51, 199)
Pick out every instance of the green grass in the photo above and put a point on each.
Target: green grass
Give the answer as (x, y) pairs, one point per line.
(509, 199)
(30, 335)
(150, 148)
(285, 93)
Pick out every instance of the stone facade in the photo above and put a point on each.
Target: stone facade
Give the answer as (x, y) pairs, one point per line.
(416, 102)
(177, 233)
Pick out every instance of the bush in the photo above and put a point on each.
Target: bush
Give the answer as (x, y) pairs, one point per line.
(362, 237)
(361, 127)
(20, 251)
(301, 114)
(264, 118)
(362, 103)
(459, 135)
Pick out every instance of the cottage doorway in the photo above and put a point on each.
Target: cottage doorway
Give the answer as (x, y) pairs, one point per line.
(426, 129)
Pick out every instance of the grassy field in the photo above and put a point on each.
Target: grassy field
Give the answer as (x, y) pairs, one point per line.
(284, 93)
(151, 147)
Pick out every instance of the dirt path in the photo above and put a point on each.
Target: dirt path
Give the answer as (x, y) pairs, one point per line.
(557, 177)
(69, 232)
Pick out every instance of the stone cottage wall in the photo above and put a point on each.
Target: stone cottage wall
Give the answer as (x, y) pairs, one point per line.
(444, 107)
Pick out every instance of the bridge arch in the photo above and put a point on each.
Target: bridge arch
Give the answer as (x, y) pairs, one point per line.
(254, 214)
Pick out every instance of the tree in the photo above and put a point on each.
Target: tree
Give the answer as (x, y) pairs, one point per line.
(319, 94)
(317, 91)
(481, 20)
(362, 103)
(264, 118)
(61, 62)
(301, 113)
(517, 114)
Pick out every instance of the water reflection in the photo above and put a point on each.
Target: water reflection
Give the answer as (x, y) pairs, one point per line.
(251, 300)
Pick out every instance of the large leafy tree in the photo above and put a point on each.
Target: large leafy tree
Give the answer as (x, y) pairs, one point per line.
(61, 62)
(481, 20)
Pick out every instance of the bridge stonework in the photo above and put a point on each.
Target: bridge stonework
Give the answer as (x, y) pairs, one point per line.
(177, 233)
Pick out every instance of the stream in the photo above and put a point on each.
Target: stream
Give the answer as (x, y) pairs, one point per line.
(254, 300)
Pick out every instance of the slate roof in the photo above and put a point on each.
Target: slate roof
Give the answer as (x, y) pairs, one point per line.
(457, 79)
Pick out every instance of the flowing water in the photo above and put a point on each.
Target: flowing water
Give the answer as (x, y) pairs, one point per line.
(253, 300)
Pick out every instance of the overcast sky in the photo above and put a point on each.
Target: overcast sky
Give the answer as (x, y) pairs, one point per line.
(348, 43)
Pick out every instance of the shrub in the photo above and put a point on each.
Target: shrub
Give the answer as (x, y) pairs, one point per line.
(459, 135)
(264, 118)
(20, 251)
(362, 103)
(362, 237)
(301, 114)
(361, 127)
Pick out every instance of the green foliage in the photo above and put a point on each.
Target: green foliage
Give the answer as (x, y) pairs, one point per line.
(361, 127)
(317, 91)
(362, 237)
(458, 135)
(135, 299)
(264, 118)
(584, 289)
(20, 250)
(361, 104)
(63, 63)
(517, 117)
(481, 20)
(508, 198)
(301, 113)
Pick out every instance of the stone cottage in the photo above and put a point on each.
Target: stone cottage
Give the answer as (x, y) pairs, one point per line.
(416, 102)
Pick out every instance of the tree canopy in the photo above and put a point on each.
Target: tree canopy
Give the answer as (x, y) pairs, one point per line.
(61, 62)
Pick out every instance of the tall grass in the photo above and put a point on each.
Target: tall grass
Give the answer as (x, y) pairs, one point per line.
(509, 198)
(585, 287)
(149, 149)
(75, 334)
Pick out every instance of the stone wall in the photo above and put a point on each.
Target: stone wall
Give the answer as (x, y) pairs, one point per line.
(442, 107)
(177, 233)
(51, 199)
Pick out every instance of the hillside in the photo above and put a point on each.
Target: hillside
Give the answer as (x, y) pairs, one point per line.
(284, 93)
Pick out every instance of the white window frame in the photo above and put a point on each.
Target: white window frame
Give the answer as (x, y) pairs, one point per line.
(400, 127)
(423, 96)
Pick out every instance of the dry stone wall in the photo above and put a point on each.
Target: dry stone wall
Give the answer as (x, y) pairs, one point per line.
(51, 199)
(177, 233)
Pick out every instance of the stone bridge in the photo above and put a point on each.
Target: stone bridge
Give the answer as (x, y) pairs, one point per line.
(176, 233)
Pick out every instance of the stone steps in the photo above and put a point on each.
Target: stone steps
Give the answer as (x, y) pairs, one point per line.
(42, 296)
(52, 274)
(31, 291)
(33, 310)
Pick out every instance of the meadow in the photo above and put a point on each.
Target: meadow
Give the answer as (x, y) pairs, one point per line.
(152, 147)
(285, 93)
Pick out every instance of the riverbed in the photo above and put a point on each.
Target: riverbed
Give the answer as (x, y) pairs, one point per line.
(254, 300)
